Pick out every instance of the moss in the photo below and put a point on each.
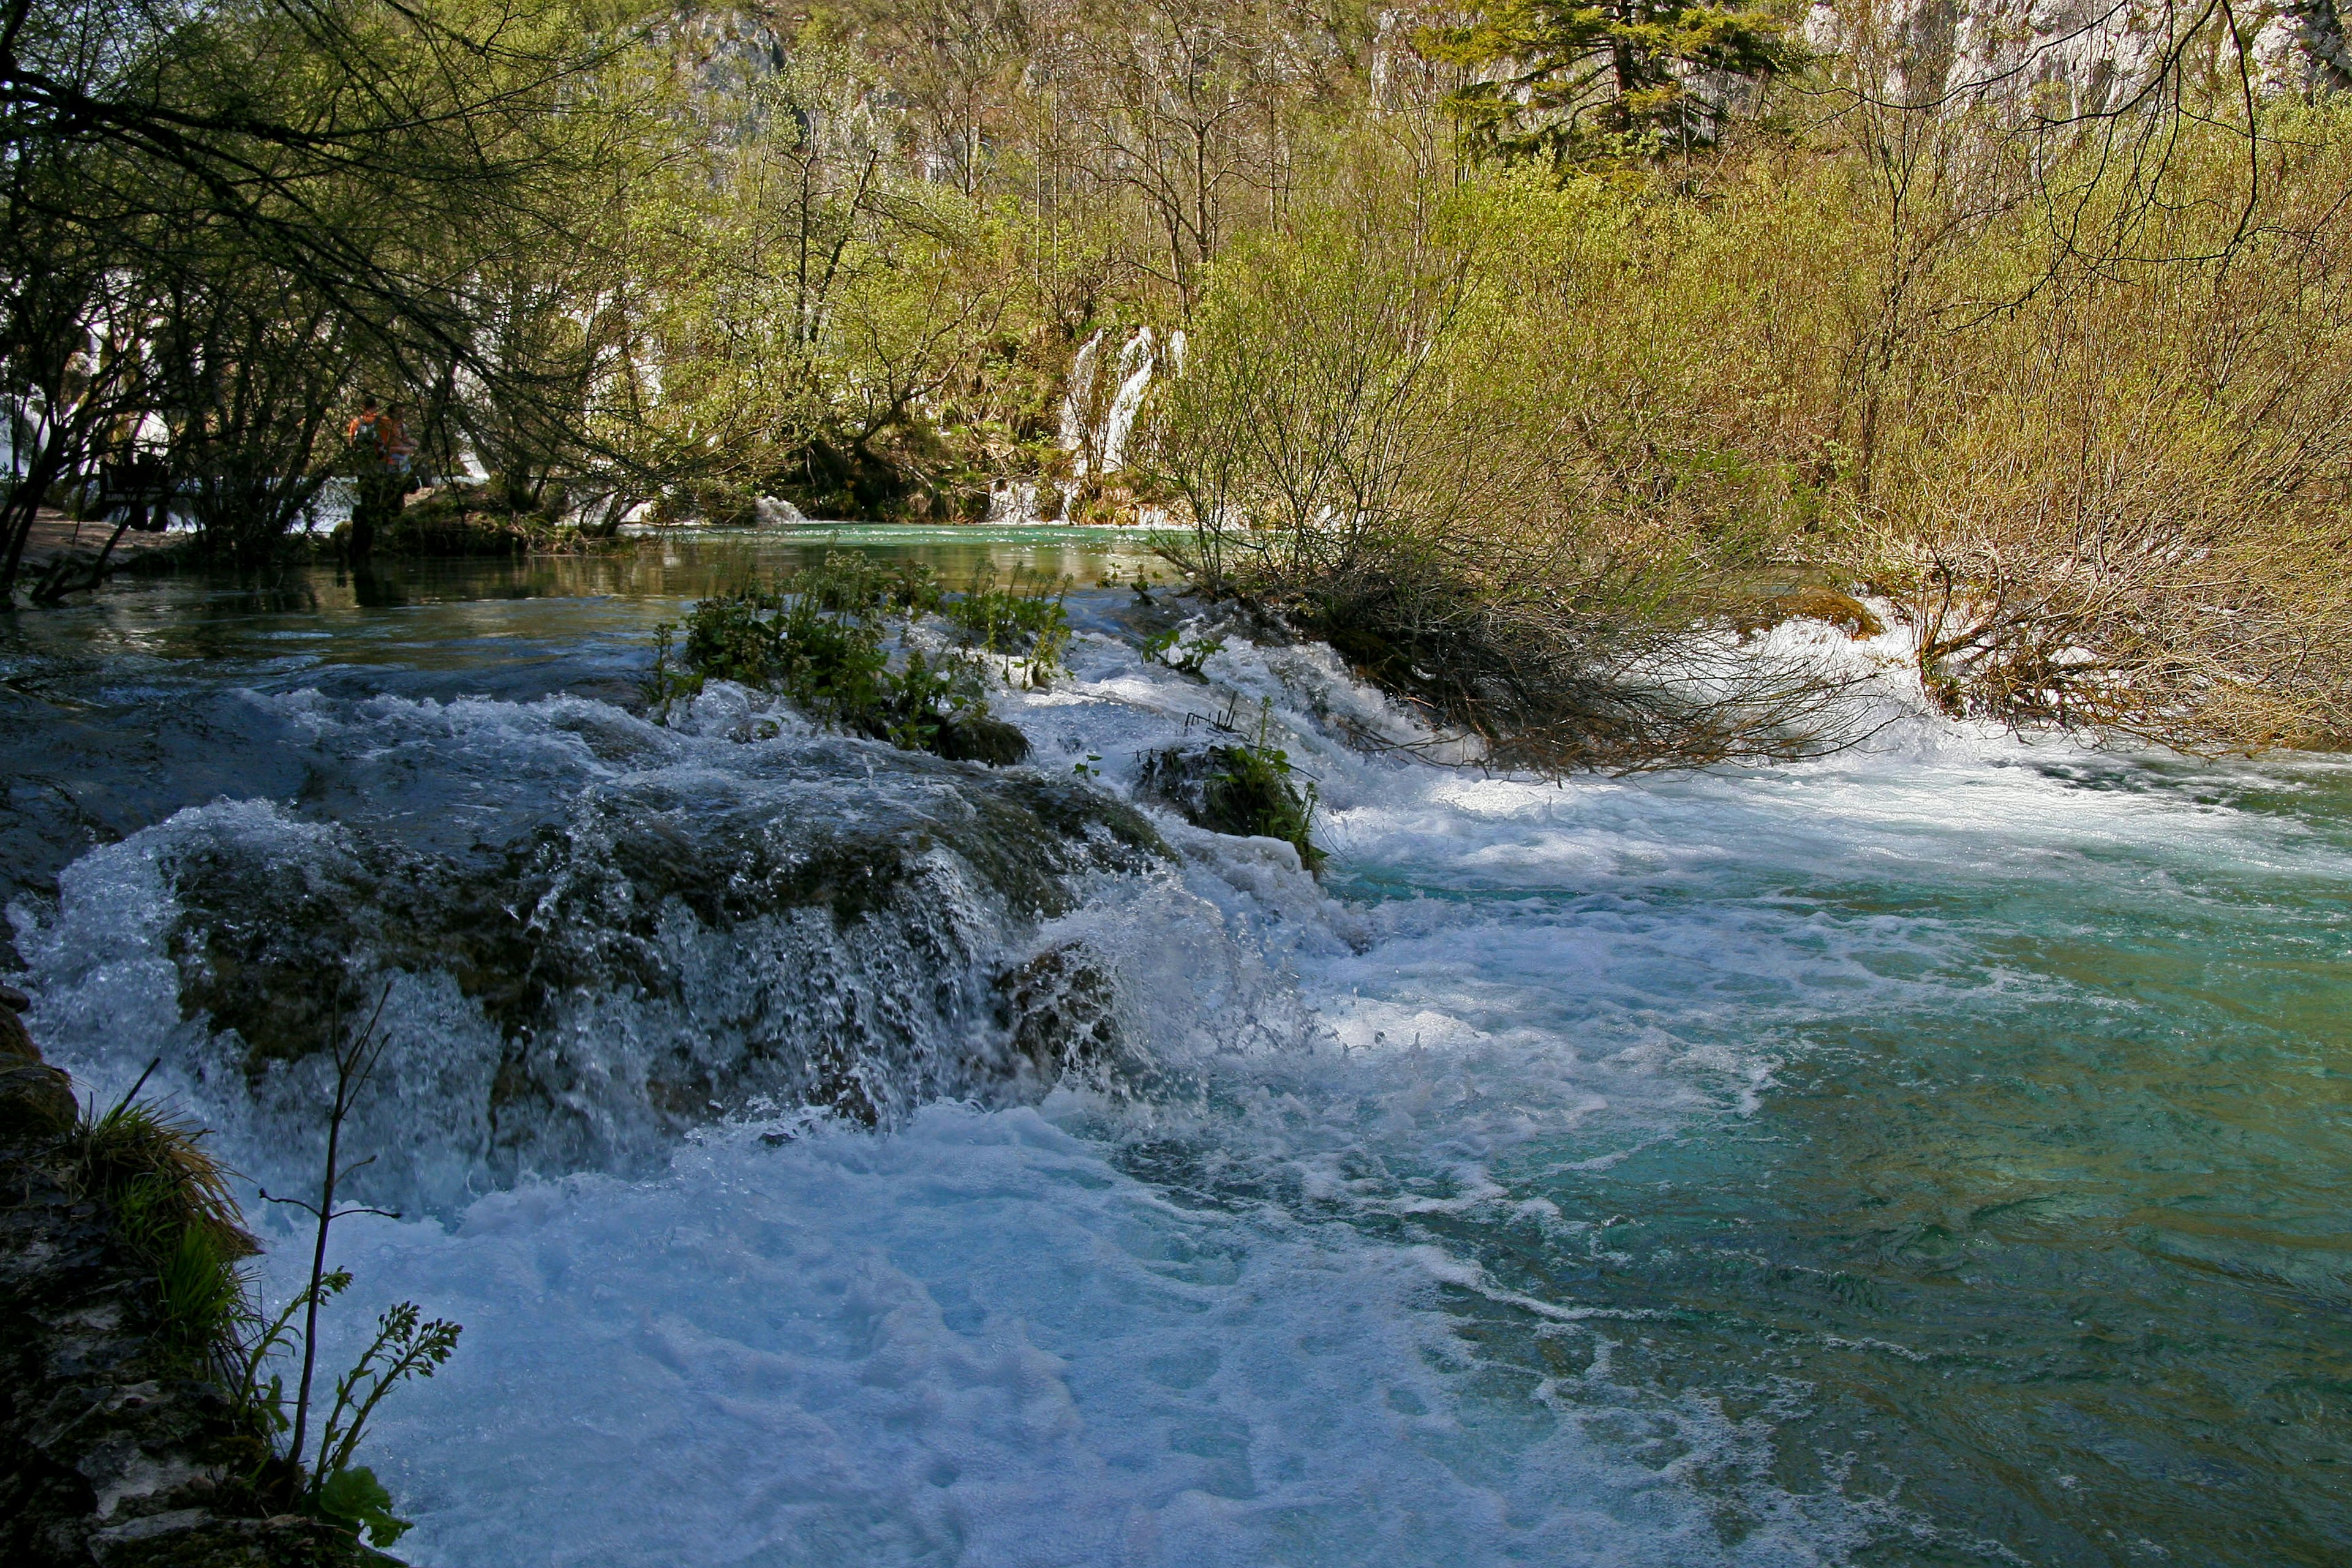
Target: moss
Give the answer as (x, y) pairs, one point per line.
(1812, 603)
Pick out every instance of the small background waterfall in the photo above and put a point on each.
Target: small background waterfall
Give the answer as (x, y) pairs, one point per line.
(1932, 1154)
(1098, 423)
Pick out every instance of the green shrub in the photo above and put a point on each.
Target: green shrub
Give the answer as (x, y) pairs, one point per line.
(1024, 620)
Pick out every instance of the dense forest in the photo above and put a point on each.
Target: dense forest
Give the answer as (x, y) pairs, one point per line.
(1494, 346)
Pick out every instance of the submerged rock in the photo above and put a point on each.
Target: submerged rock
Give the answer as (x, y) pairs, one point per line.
(1061, 1010)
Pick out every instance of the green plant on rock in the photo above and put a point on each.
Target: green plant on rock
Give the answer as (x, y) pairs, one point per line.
(1239, 785)
(1184, 655)
(171, 1202)
(831, 639)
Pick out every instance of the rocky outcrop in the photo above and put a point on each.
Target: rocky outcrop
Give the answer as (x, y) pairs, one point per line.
(2066, 57)
(36, 1100)
(115, 1450)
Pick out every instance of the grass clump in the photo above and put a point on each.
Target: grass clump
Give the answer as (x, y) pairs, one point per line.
(834, 640)
(171, 1202)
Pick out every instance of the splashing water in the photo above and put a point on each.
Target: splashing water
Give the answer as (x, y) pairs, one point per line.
(1931, 1154)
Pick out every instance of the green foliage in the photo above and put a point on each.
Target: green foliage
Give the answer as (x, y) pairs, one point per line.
(1016, 620)
(172, 1202)
(267, 1402)
(1251, 792)
(203, 1295)
(1184, 655)
(1238, 785)
(406, 1345)
(354, 1499)
(831, 639)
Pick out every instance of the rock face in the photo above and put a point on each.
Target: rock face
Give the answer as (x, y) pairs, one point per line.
(2071, 57)
(36, 1099)
(111, 1452)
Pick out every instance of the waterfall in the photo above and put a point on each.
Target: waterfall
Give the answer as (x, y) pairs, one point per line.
(1101, 447)
(1074, 402)
(1135, 378)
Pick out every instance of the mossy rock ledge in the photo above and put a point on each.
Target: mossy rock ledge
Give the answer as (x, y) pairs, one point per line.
(113, 1450)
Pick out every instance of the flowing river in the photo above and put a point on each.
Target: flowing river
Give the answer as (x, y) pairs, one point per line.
(1938, 1153)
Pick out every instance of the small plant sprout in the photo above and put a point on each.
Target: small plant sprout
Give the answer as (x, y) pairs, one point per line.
(1185, 657)
(405, 1344)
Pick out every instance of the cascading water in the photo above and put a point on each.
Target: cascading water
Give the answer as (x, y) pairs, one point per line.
(1135, 366)
(836, 1155)
(1077, 408)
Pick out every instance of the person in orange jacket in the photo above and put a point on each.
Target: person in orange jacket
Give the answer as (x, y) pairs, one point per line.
(372, 436)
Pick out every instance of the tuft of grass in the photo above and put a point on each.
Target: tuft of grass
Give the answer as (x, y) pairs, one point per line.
(172, 1202)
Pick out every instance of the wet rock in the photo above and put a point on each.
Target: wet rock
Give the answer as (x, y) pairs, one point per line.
(36, 1099)
(1061, 1010)
(825, 937)
(1814, 603)
(982, 740)
(191, 1538)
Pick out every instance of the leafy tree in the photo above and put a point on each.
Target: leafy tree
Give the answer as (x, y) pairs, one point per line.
(351, 156)
(1564, 81)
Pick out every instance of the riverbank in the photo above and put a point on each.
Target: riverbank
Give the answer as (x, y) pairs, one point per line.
(118, 1450)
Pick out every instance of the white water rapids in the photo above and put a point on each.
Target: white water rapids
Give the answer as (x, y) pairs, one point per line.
(1333, 1289)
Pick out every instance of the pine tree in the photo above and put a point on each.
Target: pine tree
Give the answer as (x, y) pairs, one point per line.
(1569, 80)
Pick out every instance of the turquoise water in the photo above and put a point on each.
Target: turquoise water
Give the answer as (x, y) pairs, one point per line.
(1938, 1154)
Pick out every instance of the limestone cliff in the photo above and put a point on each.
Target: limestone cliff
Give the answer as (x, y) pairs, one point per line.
(2077, 57)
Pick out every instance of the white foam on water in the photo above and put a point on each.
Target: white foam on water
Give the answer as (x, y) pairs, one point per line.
(974, 1341)
(1196, 1327)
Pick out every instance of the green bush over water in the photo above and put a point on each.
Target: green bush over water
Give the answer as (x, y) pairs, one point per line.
(833, 638)
(1018, 620)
